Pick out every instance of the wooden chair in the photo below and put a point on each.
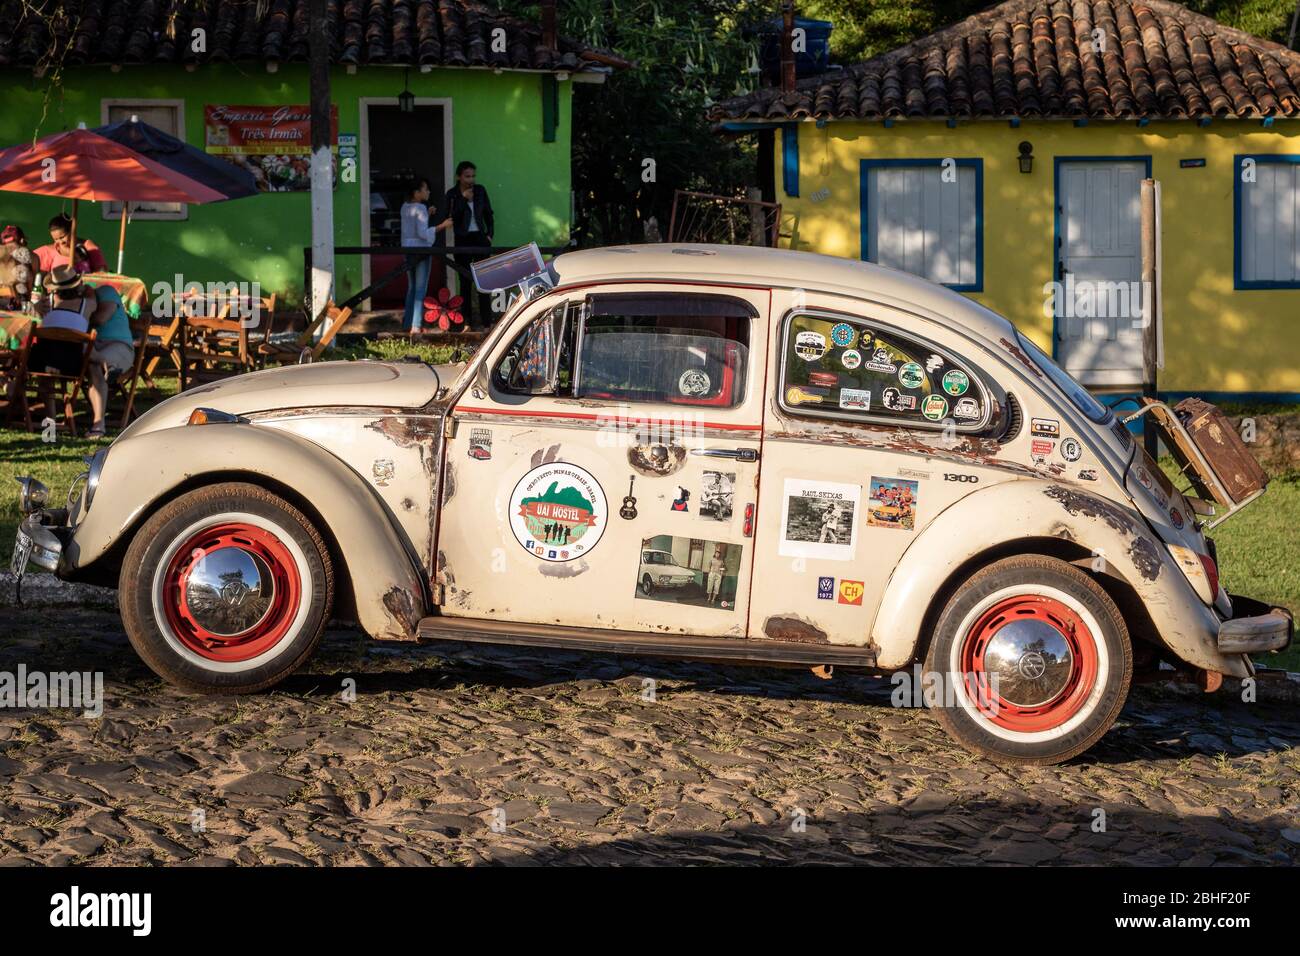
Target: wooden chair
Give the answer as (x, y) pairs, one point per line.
(9, 382)
(302, 349)
(265, 306)
(162, 341)
(153, 342)
(213, 345)
(42, 385)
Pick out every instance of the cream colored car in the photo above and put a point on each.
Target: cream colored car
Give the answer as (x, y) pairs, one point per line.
(912, 481)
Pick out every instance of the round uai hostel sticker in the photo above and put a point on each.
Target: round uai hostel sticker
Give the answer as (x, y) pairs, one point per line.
(558, 512)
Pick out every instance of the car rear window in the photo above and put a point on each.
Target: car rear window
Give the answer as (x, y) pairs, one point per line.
(844, 367)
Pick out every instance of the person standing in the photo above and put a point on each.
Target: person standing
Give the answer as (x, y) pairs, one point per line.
(470, 210)
(416, 232)
(830, 525)
(716, 569)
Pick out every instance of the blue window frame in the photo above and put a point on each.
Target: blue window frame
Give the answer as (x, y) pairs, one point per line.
(1266, 221)
(917, 219)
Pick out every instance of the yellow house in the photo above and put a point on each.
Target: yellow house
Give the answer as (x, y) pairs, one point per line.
(1004, 155)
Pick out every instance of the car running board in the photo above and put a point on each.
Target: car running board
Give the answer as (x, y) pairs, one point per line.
(644, 643)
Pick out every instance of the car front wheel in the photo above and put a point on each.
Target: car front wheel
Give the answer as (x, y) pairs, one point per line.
(1034, 659)
(647, 585)
(226, 590)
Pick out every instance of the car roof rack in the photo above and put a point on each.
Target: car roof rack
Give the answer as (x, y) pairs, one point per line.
(520, 268)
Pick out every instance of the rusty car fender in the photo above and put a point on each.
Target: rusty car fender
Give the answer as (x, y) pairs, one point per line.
(148, 468)
(1036, 508)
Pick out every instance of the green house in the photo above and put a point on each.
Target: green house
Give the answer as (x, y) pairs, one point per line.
(418, 86)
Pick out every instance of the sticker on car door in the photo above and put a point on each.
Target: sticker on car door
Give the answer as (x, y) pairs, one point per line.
(558, 511)
(819, 519)
(683, 570)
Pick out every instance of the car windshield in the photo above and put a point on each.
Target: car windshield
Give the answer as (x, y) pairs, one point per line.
(658, 557)
(1079, 395)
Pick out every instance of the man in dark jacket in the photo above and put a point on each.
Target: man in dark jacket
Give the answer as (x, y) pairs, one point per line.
(470, 210)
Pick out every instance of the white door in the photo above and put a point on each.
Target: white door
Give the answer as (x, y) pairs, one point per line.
(1100, 306)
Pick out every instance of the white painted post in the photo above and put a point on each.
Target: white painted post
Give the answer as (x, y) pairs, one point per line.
(322, 178)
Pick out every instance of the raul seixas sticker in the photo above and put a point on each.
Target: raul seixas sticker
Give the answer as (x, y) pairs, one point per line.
(558, 511)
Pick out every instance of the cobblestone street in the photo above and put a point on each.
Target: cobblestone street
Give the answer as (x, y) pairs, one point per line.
(461, 754)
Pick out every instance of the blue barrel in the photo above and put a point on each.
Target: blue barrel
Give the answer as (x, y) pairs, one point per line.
(816, 57)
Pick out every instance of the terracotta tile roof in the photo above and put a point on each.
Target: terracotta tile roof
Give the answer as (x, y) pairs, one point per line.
(1037, 58)
(415, 32)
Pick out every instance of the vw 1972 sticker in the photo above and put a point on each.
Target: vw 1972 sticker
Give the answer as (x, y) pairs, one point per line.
(558, 511)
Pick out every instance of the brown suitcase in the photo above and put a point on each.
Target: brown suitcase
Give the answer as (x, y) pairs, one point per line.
(1236, 468)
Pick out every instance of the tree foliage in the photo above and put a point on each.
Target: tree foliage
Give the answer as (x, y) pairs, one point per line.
(865, 28)
(642, 134)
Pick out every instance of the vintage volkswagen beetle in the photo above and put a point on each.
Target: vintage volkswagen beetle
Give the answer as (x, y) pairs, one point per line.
(912, 479)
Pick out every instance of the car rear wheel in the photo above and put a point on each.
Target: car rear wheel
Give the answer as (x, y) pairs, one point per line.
(226, 590)
(1035, 661)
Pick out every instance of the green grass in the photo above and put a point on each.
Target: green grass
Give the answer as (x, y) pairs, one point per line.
(1235, 409)
(1257, 553)
(398, 348)
(55, 463)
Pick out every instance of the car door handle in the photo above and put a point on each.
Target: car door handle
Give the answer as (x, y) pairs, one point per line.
(740, 454)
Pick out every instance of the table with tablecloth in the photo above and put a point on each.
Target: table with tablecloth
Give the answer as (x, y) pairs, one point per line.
(13, 328)
(14, 325)
(135, 297)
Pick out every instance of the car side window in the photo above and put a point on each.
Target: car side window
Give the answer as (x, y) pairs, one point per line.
(539, 360)
(679, 349)
(846, 367)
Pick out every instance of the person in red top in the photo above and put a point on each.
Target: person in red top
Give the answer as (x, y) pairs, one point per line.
(59, 251)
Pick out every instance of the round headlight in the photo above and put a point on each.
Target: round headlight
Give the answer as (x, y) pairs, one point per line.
(96, 464)
(32, 495)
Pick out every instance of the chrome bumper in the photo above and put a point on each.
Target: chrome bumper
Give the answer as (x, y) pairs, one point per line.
(1261, 628)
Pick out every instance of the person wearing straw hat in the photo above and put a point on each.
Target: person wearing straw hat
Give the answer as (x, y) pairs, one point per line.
(78, 307)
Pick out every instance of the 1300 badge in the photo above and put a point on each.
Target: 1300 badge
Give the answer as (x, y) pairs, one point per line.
(558, 511)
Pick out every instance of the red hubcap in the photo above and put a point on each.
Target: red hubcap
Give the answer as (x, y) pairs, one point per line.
(231, 592)
(1029, 663)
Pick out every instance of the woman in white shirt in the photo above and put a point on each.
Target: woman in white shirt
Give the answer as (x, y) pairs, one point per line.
(416, 231)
